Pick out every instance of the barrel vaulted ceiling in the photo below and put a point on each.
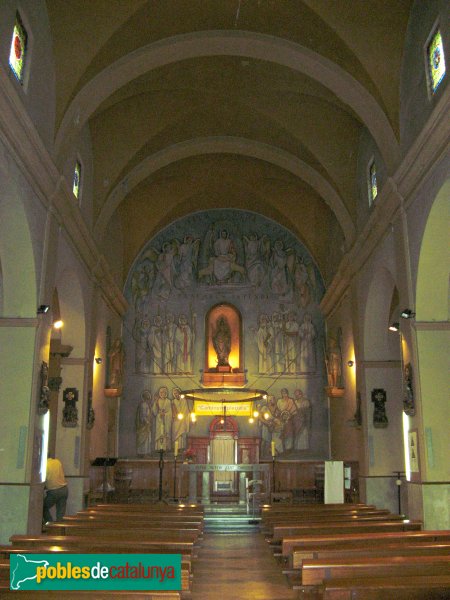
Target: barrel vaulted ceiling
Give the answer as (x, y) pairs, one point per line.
(254, 104)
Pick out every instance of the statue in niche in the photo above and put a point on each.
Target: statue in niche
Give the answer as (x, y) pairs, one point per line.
(169, 342)
(141, 332)
(144, 425)
(307, 334)
(90, 414)
(186, 264)
(70, 410)
(380, 419)
(180, 426)
(278, 343)
(291, 342)
(408, 393)
(156, 345)
(223, 264)
(281, 265)
(44, 390)
(184, 344)
(221, 338)
(302, 421)
(162, 410)
(288, 411)
(334, 363)
(257, 251)
(264, 340)
(116, 360)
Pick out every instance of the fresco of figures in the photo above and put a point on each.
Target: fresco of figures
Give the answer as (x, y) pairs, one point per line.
(261, 269)
(285, 422)
(164, 344)
(223, 256)
(162, 422)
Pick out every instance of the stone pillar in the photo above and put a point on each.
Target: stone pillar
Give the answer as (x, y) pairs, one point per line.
(242, 498)
(192, 486)
(205, 487)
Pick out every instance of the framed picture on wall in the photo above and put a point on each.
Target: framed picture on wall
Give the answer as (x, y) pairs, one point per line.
(413, 450)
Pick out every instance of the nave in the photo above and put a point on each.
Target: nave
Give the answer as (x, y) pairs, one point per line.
(311, 551)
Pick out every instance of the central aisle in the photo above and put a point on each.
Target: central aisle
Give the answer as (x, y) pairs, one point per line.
(238, 567)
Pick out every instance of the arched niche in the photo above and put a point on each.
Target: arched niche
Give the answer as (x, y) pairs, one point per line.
(432, 277)
(223, 320)
(224, 425)
(433, 339)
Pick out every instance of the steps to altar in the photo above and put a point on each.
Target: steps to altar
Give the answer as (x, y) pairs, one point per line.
(231, 518)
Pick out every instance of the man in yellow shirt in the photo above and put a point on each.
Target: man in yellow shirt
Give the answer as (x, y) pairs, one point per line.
(57, 491)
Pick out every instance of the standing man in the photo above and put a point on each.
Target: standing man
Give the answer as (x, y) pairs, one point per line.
(57, 491)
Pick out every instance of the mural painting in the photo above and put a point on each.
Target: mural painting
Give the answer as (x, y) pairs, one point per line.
(249, 262)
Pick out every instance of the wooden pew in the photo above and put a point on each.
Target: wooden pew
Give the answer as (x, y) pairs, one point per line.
(315, 571)
(283, 531)
(399, 549)
(95, 595)
(268, 529)
(139, 520)
(432, 587)
(419, 549)
(310, 543)
(109, 545)
(112, 530)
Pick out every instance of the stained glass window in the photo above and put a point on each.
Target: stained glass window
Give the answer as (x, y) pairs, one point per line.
(18, 51)
(373, 186)
(77, 180)
(436, 60)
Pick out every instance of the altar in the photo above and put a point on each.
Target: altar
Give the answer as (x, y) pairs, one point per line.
(247, 472)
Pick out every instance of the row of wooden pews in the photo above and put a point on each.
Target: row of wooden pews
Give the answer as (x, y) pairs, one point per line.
(116, 529)
(357, 552)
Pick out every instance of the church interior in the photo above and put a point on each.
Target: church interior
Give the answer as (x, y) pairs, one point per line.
(224, 260)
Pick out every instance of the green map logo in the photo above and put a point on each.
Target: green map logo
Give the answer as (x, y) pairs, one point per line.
(144, 572)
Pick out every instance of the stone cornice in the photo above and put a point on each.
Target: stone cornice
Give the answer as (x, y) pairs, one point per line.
(37, 166)
(397, 194)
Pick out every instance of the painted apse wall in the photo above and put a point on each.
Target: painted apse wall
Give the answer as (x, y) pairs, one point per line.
(250, 262)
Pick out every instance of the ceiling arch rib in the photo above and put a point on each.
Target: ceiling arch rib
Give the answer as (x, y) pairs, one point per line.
(228, 145)
(233, 43)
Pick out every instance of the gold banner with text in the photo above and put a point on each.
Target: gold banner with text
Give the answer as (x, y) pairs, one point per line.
(234, 409)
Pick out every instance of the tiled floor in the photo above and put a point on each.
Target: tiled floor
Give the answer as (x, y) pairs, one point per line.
(238, 567)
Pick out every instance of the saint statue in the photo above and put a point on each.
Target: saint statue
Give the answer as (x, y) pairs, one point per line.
(221, 339)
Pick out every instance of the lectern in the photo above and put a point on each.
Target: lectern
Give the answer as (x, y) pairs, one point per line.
(105, 462)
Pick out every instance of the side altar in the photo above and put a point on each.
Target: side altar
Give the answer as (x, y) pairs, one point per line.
(253, 472)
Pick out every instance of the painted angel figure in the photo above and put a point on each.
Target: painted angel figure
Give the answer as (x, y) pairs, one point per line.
(186, 263)
(165, 270)
(142, 282)
(281, 265)
(257, 251)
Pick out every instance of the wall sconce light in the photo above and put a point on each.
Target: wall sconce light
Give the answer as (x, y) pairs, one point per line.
(394, 326)
(350, 363)
(42, 309)
(407, 313)
(98, 360)
(58, 324)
